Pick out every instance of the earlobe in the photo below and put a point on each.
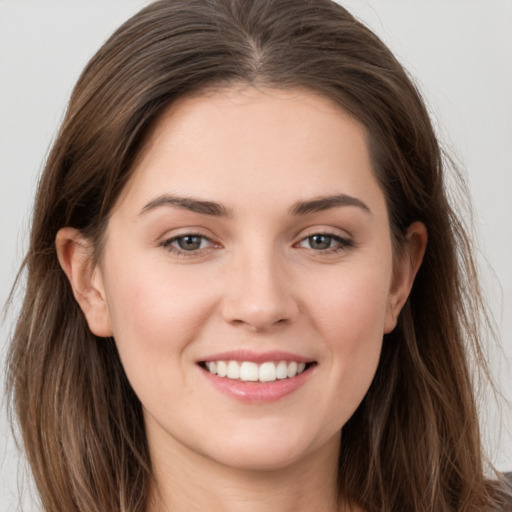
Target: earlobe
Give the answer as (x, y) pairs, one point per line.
(74, 253)
(406, 269)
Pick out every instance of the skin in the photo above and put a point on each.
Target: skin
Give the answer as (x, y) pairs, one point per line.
(257, 282)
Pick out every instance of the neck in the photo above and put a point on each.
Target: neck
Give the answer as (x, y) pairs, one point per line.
(187, 481)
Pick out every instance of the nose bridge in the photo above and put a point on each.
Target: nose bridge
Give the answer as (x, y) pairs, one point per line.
(259, 293)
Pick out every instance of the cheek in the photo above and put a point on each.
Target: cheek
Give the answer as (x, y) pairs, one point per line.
(355, 334)
(155, 313)
(350, 308)
(350, 318)
(155, 317)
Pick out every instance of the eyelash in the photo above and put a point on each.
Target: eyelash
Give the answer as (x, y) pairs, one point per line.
(341, 244)
(168, 244)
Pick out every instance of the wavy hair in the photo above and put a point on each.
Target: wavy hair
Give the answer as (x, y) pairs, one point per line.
(414, 441)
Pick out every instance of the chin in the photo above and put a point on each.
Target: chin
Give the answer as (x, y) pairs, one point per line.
(272, 452)
(259, 460)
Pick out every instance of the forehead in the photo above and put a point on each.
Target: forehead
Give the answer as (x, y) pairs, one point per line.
(255, 144)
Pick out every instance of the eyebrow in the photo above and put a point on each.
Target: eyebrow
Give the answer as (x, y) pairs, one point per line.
(188, 203)
(218, 210)
(325, 203)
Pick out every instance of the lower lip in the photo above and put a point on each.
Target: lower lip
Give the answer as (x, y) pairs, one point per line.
(258, 392)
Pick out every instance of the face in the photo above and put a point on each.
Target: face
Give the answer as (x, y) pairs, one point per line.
(247, 277)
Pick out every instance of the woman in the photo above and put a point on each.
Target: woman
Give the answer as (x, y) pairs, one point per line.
(236, 244)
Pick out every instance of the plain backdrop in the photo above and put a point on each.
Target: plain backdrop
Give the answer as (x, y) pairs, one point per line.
(458, 51)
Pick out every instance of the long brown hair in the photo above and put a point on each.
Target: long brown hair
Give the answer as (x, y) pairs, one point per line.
(414, 442)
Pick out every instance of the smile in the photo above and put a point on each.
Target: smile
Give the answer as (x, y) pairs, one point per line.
(249, 371)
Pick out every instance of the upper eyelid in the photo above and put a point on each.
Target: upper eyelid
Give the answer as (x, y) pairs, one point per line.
(343, 240)
(170, 246)
(172, 234)
(304, 233)
(170, 239)
(328, 231)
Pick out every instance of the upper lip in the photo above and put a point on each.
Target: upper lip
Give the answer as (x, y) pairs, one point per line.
(256, 357)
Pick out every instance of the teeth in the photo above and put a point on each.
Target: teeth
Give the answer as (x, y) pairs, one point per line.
(222, 368)
(233, 370)
(292, 369)
(282, 370)
(267, 372)
(248, 371)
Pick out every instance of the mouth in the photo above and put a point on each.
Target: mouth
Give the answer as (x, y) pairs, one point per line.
(250, 371)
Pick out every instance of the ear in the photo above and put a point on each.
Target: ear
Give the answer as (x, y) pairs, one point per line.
(75, 257)
(406, 268)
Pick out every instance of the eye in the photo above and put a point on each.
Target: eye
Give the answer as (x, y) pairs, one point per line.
(187, 243)
(325, 242)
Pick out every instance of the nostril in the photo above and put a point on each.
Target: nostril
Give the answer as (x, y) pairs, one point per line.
(260, 302)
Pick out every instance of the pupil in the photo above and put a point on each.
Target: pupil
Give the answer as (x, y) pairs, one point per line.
(189, 243)
(320, 241)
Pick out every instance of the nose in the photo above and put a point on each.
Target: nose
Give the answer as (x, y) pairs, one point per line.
(259, 293)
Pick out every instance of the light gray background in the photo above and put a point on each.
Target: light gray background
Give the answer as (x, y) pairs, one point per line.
(459, 51)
